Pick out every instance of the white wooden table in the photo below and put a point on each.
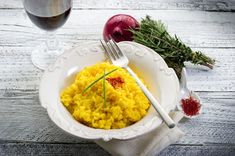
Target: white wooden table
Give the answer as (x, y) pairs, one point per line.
(206, 25)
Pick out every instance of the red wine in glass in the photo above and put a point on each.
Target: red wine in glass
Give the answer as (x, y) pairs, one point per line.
(48, 15)
(49, 23)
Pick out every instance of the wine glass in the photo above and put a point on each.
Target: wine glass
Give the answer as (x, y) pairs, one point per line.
(48, 15)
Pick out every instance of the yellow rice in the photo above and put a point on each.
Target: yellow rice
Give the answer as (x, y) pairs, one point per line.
(125, 104)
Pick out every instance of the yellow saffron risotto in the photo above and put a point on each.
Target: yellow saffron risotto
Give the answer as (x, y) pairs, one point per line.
(124, 104)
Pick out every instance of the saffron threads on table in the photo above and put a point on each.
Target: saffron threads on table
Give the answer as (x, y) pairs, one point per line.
(190, 106)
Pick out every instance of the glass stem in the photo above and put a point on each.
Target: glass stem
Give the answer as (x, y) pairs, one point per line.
(51, 41)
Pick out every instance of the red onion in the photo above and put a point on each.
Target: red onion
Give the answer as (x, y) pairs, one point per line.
(118, 27)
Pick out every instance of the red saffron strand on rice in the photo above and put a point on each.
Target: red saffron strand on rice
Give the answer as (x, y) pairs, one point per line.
(115, 82)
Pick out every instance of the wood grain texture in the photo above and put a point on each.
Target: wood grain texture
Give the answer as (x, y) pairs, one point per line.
(195, 28)
(17, 71)
(199, 150)
(207, 5)
(221, 78)
(25, 128)
(217, 31)
(42, 149)
(22, 149)
(20, 110)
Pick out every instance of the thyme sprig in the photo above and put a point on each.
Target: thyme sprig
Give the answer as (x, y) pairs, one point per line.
(154, 35)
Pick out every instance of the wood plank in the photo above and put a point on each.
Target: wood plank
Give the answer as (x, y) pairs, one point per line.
(221, 78)
(18, 40)
(208, 5)
(20, 110)
(17, 71)
(195, 150)
(215, 106)
(22, 149)
(27, 111)
(197, 29)
(210, 134)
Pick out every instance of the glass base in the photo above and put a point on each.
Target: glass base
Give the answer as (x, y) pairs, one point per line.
(42, 57)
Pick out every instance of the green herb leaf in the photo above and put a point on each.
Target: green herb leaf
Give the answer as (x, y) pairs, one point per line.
(154, 35)
(99, 78)
(104, 89)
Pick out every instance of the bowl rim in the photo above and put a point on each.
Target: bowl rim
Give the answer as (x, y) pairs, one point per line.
(106, 135)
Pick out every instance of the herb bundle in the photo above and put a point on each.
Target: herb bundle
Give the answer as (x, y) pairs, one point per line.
(154, 35)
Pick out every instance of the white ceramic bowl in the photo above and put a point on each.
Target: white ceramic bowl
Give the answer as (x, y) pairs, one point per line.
(161, 81)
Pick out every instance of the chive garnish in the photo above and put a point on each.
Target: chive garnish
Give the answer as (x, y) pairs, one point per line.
(90, 85)
(104, 89)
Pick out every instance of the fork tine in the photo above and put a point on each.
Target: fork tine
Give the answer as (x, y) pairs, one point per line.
(118, 49)
(113, 50)
(110, 51)
(106, 51)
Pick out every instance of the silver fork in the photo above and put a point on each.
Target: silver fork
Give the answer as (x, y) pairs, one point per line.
(118, 58)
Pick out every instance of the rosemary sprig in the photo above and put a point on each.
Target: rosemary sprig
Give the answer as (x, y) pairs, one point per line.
(154, 35)
(99, 78)
(104, 89)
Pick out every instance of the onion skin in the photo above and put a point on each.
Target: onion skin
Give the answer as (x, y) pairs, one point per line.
(118, 27)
